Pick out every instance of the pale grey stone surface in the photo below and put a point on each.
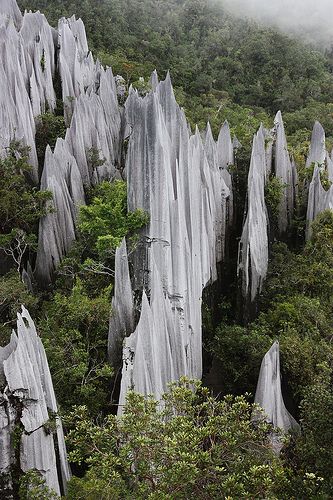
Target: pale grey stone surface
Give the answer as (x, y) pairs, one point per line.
(317, 152)
(319, 198)
(181, 182)
(61, 176)
(269, 397)
(28, 382)
(122, 309)
(10, 10)
(253, 249)
(285, 172)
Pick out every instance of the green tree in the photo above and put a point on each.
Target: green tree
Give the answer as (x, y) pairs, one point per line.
(191, 444)
(105, 221)
(74, 329)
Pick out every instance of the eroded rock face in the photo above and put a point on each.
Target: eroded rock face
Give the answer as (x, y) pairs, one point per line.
(253, 249)
(286, 173)
(122, 309)
(269, 396)
(62, 177)
(317, 153)
(27, 404)
(31, 53)
(182, 184)
(319, 198)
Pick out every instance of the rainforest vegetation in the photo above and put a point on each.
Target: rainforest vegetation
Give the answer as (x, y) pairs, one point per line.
(201, 441)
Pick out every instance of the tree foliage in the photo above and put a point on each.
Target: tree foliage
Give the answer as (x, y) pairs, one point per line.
(105, 221)
(191, 444)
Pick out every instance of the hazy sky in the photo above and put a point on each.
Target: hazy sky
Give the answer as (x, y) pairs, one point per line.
(311, 18)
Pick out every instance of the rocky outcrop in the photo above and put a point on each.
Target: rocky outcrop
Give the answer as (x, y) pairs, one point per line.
(10, 11)
(62, 177)
(269, 396)
(181, 183)
(122, 310)
(253, 248)
(76, 64)
(28, 408)
(285, 171)
(317, 153)
(320, 198)
(16, 69)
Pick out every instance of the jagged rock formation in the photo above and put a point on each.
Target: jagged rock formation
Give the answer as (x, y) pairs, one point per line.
(179, 178)
(285, 171)
(62, 177)
(29, 49)
(122, 309)
(94, 130)
(175, 178)
(269, 394)
(319, 198)
(317, 153)
(27, 406)
(269, 156)
(76, 63)
(253, 248)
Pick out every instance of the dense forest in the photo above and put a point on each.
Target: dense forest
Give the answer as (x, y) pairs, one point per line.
(201, 441)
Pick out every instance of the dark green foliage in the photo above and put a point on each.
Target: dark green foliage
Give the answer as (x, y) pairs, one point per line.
(194, 446)
(204, 48)
(49, 128)
(79, 309)
(21, 204)
(74, 332)
(273, 197)
(13, 293)
(315, 444)
(297, 309)
(33, 487)
(105, 221)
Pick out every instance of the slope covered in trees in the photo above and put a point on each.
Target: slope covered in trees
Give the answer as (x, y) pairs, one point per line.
(215, 60)
(193, 444)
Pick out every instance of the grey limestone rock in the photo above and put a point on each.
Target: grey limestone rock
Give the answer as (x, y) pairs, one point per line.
(122, 310)
(269, 395)
(177, 178)
(317, 152)
(9, 8)
(76, 64)
(319, 198)
(61, 176)
(285, 172)
(27, 380)
(253, 249)
(96, 128)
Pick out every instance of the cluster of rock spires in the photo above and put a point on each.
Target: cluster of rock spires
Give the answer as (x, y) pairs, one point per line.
(184, 189)
(30, 49)
(28, 410)
(269, 397)
(319, 199)
(180, 178)
(269, 156)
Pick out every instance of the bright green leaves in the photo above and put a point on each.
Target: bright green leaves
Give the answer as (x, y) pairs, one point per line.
(191, 444)
(74, 332)
(21, 204)
(105, 221)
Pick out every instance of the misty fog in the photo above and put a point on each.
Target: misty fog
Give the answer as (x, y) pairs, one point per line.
(312, 19)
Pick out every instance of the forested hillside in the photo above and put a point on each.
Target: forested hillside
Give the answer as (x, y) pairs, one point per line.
(204, 439)
(216, 61)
